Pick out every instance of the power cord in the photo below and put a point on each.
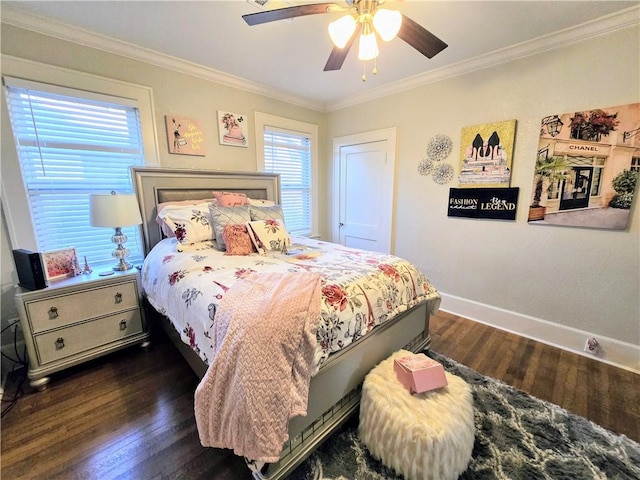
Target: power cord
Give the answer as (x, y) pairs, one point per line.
(18, 372)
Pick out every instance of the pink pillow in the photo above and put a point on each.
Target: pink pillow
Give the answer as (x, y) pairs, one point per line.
(237, 240)
(229, 199)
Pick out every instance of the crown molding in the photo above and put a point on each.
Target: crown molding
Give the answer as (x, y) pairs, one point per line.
(617, 21)
(107, 44)
(602, 26)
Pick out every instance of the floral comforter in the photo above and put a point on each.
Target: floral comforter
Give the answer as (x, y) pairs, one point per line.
(360, 289)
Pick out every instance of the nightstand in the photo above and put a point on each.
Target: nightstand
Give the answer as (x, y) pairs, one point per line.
(80, 318)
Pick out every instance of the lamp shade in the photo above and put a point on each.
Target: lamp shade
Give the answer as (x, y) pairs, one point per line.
(368, 47)
(341, 30)
(114, 210)
(387, 23)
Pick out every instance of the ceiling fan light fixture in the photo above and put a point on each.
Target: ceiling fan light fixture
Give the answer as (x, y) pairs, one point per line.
(368, 49)
(341, 30)
(366, 20)
(387, 23)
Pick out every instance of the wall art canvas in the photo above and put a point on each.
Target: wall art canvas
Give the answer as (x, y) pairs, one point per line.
(232, 128)
(587, 168)
(60, 263)
(185, 136)
(486, 153)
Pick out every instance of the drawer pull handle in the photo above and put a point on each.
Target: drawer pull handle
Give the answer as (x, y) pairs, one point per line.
(53, 313)
(123, 325)
(59, 343)
(118, 297)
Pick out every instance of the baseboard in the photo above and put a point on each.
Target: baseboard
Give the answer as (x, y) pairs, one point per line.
(614, 352)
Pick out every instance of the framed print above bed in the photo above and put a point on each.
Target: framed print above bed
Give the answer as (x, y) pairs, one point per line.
(232, 129)
(184, 136)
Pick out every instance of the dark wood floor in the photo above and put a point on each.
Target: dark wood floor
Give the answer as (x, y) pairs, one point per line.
(130, 415)
(606, 395)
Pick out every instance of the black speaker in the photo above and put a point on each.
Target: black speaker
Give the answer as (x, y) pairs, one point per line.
(30, 269)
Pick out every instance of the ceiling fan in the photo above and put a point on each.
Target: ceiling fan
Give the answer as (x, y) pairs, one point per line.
(369, 22)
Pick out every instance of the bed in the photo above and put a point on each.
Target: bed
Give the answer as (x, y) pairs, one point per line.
(334, 389)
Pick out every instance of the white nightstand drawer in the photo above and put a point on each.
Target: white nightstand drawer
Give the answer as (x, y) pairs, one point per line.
(69, 341)
(59, 311)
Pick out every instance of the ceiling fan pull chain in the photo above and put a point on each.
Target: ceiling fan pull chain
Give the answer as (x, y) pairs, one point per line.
(364, 71)
(375, 66)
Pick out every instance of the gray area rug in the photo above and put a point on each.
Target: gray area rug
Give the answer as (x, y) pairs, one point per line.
(517, 437)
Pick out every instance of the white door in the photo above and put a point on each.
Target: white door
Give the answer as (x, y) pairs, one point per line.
(364, 180)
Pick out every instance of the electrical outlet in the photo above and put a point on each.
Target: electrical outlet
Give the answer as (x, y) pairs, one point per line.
(591, 346)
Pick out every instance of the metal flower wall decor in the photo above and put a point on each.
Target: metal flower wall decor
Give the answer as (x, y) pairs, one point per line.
(443, 173)
(438, 149)
(425, 167)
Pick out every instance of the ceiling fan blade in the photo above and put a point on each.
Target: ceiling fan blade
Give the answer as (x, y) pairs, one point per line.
(338, 55)
(420, 38)
(290, 12)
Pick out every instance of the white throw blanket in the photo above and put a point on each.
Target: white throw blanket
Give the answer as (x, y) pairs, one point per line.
(258, 379)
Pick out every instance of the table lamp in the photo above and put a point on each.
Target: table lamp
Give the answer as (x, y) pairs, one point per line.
(116, 211)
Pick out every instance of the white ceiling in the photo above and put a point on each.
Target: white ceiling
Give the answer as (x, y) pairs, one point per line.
(289, 57)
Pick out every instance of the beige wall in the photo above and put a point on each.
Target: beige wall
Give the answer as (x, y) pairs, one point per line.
(580, 278)
(173, 93)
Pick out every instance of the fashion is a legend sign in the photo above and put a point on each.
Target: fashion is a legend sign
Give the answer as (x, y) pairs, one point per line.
(494, 203)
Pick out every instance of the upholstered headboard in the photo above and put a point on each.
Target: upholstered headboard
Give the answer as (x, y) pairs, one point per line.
(156, 185)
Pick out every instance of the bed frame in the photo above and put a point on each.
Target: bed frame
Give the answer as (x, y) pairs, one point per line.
(334, 392)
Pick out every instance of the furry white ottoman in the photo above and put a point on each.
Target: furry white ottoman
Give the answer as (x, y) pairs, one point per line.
(421, 436)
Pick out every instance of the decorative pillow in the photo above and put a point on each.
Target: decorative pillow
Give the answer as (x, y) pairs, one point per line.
(222, 216)
(259, 202)
(229, 199)
(269, 235)
(273, 212)
(237, 240)
(190, 223)
(166, 229)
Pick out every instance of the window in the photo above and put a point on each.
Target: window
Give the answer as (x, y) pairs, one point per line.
(289, 155)
(70, 143)
(289, 148)
(68, 148)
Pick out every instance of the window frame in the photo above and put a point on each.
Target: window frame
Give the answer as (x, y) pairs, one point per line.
(15, 202)
(264, 120)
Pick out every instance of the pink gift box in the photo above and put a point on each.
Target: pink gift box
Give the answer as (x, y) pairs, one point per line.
(419, 373)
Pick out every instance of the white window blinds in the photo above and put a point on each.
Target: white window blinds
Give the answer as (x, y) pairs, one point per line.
(71, 144)
(289, 154)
